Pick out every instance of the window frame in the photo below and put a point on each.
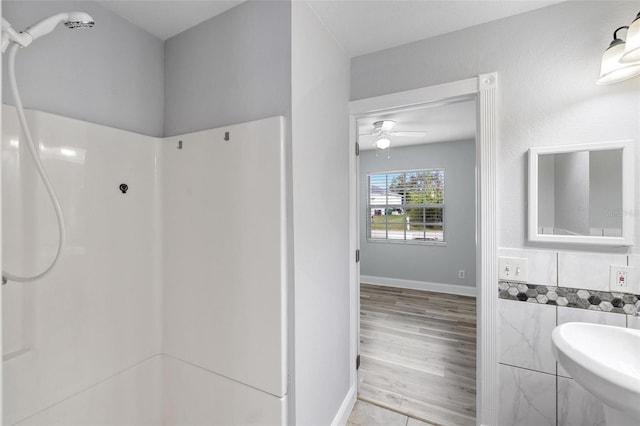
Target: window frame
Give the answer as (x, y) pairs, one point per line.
(370, 207)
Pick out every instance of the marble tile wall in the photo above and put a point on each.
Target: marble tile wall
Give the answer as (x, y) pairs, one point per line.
(534, 389)
(576, 406)
(526, 397)
(574, 269)
(525, 335)
(587, 270)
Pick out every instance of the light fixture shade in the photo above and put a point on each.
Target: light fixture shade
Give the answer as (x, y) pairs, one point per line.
(382, 142)
(632, 48)
(612, 70)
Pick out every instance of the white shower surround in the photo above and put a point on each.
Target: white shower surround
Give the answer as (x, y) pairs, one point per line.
(106, 339)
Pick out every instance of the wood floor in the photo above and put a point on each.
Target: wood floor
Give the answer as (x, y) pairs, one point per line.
(418, 354)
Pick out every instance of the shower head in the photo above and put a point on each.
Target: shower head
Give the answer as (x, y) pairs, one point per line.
(24, 38)
(71, 20)
(72, 25)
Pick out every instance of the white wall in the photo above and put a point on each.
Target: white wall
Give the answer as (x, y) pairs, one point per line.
(547, 62)
(112, 74)
(320, 165)
(98, 313)
(426, 263)
(224, 272)
(229, 69)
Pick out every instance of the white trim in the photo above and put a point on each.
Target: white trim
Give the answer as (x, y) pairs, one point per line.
(415, 97)
(354, 244)
(2, 399)
(461, 290)
(483, 89)
(346, 407)
(486, 253)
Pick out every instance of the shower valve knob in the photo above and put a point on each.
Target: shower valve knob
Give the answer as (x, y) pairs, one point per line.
(124, 188)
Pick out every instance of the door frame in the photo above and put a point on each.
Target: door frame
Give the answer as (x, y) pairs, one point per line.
(483, 88)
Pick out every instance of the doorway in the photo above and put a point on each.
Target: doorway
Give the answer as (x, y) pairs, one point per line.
(417, 245)
(481, 91)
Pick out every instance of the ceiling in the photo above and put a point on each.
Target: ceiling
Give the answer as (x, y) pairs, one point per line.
(360, 26)
(363, 27)
(440, 123)
(166, 18)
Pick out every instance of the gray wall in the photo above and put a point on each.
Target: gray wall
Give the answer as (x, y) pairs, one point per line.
(320, 191)
(546, 190)
(232, 68)
(112, 74)
(426, 263)
(547, 62)
(605, 185)
(571, 192)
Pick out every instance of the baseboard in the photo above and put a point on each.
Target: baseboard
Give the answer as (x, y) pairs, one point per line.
(346, 407)
(461, 290)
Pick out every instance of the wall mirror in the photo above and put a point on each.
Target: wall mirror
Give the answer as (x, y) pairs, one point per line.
(582, 194)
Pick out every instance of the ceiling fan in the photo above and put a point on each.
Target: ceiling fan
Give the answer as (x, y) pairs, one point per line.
(382, 131)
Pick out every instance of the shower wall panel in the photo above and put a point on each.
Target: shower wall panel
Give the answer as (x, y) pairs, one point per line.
(224, 259)
(99, 311)
(132, 397)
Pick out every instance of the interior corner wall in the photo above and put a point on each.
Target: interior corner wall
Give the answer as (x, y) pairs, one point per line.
(419, 262)
(546, 87)
(112, 74)
(232, 68)
(320, 167)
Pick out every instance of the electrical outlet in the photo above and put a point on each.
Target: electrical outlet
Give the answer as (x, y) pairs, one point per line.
(621, 278)
(461, 273)
(513, 269)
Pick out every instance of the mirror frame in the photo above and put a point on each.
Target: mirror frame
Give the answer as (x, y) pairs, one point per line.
(628, 203)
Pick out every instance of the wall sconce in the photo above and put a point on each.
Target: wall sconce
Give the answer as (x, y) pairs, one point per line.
(632, 48)
(621, 60)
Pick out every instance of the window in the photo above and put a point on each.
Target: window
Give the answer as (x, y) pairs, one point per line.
(406, 206)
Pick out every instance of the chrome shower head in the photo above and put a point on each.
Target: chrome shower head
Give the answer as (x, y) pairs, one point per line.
(77, 24)
(71, 20)
(24, 38)
(80, 22)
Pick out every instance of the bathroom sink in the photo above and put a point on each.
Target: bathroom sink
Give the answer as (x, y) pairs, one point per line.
(604, 360)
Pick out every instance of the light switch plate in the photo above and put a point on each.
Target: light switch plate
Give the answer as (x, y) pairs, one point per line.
(622, 279)
(513, 269)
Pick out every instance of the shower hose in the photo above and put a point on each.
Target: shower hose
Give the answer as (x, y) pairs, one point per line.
(38, 163)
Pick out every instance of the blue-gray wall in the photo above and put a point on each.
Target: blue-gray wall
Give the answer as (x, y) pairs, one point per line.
(112, 74)
(232, 68)
(426, 263)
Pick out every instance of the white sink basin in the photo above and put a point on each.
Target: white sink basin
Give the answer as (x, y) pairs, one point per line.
(604, 360)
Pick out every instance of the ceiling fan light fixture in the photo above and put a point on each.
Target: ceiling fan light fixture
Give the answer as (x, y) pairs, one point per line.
(383, 142)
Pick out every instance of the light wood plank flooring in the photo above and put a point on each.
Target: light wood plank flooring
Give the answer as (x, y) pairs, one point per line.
(418, 354)
(365, 414)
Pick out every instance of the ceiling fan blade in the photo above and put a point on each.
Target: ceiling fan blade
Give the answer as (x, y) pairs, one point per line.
(369, 134)
(409, 134)
(386, 125)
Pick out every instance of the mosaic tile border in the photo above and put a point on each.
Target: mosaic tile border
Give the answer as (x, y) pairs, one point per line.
(605, 301)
